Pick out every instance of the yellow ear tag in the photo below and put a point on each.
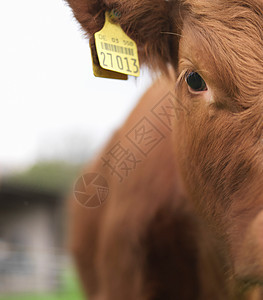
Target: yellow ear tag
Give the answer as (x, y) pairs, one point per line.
(98, 71)
(116, 51)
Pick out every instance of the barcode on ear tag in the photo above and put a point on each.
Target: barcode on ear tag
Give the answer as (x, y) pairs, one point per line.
(116, 51)
(98, 71)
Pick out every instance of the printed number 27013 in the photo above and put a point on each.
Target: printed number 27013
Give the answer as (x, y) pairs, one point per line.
(116, 51)
(123, 64)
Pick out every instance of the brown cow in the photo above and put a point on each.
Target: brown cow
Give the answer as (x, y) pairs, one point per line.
(213, 158)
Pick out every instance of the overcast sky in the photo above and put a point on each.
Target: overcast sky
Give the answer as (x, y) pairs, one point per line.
(48, 92)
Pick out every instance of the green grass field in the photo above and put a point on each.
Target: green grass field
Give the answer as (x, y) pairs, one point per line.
(70, 291)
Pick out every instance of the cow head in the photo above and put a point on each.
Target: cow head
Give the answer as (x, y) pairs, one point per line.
(219, 139)
(216, 51)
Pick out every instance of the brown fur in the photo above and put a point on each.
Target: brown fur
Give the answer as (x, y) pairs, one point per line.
(217, 149)
(148, 22)
(129, 247)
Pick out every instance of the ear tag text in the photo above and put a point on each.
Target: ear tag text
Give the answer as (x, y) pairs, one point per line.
(98, 71)
(115, 50)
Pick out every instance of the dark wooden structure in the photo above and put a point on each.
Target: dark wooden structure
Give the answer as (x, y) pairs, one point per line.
(31, 239)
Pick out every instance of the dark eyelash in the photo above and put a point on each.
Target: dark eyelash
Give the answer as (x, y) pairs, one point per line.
(183, 76)
(187, 72)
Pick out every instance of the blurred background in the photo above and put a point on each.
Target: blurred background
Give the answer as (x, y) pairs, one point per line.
(55, 115)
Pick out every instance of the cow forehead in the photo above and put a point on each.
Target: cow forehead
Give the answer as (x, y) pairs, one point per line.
(225, 40)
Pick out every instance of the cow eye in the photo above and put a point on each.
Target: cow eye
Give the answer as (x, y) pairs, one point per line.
(196, 82)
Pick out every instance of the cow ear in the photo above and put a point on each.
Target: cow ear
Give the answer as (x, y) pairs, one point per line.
(153, 24)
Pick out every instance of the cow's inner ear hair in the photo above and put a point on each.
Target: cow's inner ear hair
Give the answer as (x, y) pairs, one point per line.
(155, 27)
(153, 24)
